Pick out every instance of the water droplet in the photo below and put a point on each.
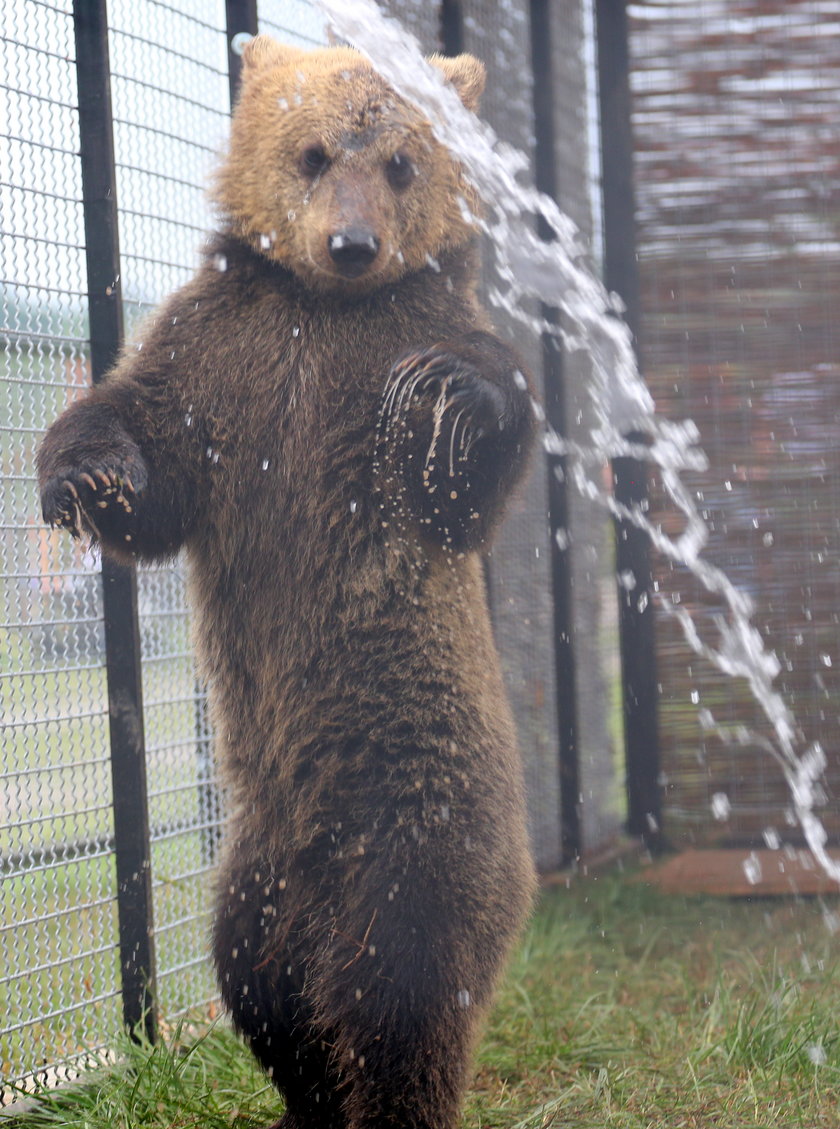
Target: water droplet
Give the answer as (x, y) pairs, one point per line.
(519, 380)
(295, 331)
(463, 998)
(752, 868)
(353, 506)
(220, 262)
(816, 1053)
(240, 41)
(825, 660)
(721, 806)
(771, 838)
(265, 464)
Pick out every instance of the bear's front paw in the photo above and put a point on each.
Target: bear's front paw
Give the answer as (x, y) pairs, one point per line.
(440, 382)
(83, 499)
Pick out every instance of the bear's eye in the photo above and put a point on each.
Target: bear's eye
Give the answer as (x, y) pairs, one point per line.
(400, 171)
(313, 160)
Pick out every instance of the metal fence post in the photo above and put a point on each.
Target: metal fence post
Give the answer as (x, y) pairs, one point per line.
(621, 274)
(122, 631)
(240, 17)
(545, 176)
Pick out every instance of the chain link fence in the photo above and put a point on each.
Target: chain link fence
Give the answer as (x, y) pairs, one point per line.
(59, 975)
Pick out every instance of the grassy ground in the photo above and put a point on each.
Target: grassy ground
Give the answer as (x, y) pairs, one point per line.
(624, 1009)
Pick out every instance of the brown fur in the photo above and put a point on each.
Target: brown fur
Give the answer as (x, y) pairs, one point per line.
(333, 452)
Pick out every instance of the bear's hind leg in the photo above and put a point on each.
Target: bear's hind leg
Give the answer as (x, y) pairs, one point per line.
(403, 1049)
(261, 982)
(301, 1068)
(407, 1077)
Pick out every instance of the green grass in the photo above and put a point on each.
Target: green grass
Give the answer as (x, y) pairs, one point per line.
(624, 1009)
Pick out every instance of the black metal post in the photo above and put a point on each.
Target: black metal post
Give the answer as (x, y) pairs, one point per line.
(241, 19)
(122, 630)
(451, 27)
(546, 179)
(621, 274)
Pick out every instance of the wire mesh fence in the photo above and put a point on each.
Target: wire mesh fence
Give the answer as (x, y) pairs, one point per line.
(59, 977)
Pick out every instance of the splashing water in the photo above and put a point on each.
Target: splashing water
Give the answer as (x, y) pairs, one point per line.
(527, 267)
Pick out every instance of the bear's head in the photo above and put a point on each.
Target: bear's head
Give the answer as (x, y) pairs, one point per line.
(333, 175)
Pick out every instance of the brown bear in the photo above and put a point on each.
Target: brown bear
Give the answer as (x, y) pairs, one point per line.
(324, 421)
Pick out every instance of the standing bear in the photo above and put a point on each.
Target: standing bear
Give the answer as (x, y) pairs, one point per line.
(323, 420)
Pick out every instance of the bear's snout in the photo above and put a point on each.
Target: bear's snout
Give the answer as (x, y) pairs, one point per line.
(353, 250)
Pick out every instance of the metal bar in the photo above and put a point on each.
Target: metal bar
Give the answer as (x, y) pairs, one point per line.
(621, 274)
(451, 27)
(122, 630)
(545, 175)
(240, 18)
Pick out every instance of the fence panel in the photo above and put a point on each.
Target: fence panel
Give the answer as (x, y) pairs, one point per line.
(734, 111)
(59, 982)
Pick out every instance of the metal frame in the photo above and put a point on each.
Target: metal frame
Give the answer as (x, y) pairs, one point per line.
(621, 274)
(546, 180)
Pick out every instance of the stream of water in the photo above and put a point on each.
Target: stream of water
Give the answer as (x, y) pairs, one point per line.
(555, 273)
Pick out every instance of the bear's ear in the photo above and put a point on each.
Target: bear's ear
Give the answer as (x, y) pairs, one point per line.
(263, 51)
(467, 75)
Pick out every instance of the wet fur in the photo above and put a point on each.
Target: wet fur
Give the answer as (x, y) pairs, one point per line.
(333, 464)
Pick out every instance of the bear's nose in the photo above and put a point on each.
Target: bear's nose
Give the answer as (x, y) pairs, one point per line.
(353, 250)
